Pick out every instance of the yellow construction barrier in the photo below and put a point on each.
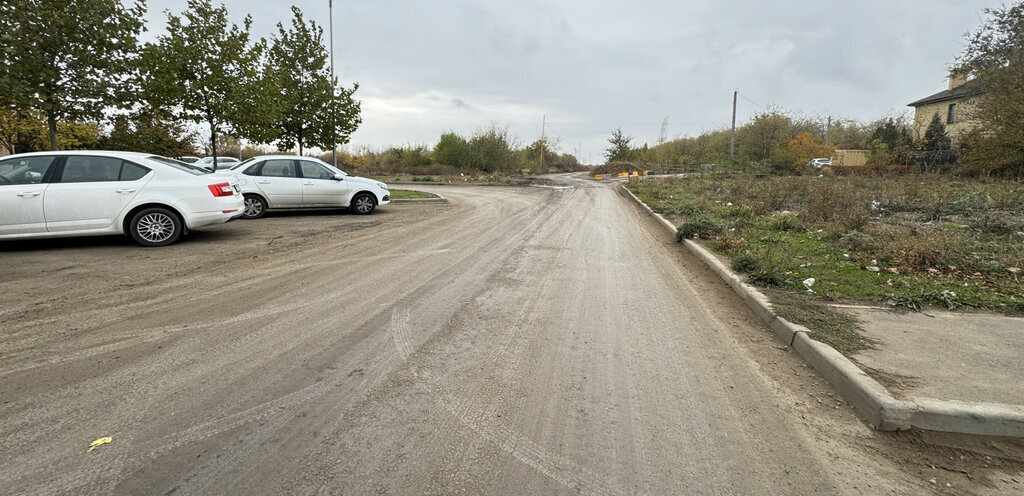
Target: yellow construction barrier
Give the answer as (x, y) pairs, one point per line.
(598, 177)
(623, 174)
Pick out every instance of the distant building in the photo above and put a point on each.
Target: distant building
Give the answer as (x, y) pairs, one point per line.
(952, 105)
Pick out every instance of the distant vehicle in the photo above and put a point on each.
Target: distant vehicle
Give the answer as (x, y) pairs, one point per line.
(152, 199)
(222, 163)
(188, 159)
(818, 163)
(273, 182)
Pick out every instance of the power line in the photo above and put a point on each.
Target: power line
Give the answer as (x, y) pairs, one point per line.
(758, 105)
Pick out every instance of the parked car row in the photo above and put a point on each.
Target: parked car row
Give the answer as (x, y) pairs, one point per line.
(155, 200)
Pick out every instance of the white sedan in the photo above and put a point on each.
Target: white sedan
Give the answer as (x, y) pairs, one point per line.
(272, 182)
(152, 199)
(222, 163)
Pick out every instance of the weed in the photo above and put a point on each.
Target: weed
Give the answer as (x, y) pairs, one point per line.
(747, 263)
(784, 222)
(699, 227)
(829, 326)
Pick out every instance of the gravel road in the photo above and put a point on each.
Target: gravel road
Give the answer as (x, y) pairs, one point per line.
(517, 340)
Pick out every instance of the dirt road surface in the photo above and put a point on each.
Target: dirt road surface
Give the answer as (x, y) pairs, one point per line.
(517, 340)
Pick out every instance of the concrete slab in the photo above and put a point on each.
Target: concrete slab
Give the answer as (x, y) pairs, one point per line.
(970, 357)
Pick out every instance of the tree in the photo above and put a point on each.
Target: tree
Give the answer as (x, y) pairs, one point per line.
(206, 71)
(619, 150)
(150, 132)
(806, 147)
(314, 110)
(935, 137)
(994, 61)
(542, 147)
(69, 59)
(452, 150)
(492, 149)
(760, 139)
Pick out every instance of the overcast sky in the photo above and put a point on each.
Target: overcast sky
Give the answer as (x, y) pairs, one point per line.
(427, 67)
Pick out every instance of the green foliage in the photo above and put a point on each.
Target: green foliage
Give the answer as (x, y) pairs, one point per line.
(298, 61)
(539, 155)
(150, 133)
(453, 150)
(492, 149)
(747, 263)
(994, 58)
(204, 69)
(619, 150)
(949, 243)
(699, 227)
(68, 59)
(759, 140)
(935, 137)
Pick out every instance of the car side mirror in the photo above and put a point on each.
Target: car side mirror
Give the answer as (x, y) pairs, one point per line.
(339, 177)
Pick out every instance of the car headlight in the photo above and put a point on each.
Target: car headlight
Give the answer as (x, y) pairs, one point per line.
(382, 186)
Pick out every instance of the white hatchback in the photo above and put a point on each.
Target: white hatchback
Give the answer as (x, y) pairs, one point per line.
(152, 199)
(273, 182)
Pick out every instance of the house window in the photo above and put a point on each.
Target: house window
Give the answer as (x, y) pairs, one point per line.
(951, 115)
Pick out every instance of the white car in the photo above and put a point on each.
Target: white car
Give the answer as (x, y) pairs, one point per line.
(152, 199)
(222, 163)
(273, 182)
(818, 163)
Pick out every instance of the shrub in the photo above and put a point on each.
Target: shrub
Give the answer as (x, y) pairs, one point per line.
(699, 227)
(784, 222)
(747, 263)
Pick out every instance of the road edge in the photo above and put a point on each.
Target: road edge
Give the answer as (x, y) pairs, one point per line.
(868, 397)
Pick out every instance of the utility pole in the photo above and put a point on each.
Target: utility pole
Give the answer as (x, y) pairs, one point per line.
(828, 132)
(732, 137)
(543, 141)
(334, 127)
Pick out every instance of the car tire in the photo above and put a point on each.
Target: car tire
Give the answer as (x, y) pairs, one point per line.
(363, 204)
(255, 207)
(155, 226)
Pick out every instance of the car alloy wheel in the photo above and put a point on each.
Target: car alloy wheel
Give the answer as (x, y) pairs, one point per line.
(155, 227)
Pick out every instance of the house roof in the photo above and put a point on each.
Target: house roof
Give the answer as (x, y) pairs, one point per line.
(970, 88)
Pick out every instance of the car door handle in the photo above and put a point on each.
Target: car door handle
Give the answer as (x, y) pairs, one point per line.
(263, 182)
(308, 184)
(29, 194)
(132, 190)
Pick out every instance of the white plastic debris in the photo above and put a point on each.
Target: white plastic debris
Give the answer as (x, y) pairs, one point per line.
(872, 268)
(808, 283)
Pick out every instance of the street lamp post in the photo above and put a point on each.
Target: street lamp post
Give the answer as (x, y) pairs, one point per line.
(334, 136)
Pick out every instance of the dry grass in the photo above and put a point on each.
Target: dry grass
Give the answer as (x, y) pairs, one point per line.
(932, 240)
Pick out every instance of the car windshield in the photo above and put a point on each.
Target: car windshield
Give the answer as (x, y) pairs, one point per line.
(182, 166)
(243, 163)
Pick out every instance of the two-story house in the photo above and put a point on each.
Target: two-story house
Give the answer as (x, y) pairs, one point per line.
(952, 105)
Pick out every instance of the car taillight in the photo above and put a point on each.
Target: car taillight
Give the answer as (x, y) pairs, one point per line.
(221, 189)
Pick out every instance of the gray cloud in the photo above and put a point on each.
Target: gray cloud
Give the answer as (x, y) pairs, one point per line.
(592, 66)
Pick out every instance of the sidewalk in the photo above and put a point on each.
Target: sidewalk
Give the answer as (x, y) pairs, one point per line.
(969, 357)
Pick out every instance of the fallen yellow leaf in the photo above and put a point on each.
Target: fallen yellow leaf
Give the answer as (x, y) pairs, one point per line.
(99, 442)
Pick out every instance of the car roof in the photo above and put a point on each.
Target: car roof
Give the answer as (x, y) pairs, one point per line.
(94, 153)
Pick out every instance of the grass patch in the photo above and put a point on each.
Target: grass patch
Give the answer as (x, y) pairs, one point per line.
(405, 194)
(908, 241)
(833, 328)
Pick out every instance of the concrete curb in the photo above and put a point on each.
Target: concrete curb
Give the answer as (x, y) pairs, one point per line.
(439, 199)
(871, 399)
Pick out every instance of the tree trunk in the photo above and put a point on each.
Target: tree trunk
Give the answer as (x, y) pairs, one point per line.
(300, 141)
(213, 144)
(51, 128)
